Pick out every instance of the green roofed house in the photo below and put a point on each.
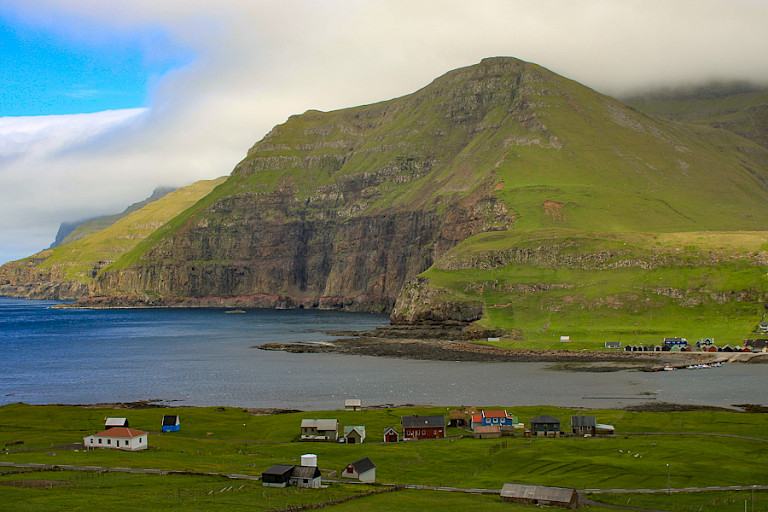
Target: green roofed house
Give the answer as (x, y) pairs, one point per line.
(354, 434)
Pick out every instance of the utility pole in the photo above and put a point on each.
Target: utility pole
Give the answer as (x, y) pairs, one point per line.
(669, 488)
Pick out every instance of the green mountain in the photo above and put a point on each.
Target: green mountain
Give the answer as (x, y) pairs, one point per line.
(71, 231)
(501, 194)
(66, 271)
(738, 107)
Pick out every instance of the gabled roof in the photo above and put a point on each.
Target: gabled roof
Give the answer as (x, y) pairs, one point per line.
(278, 470)
(305, 472)
(544, 419)
(390, 429)
(477, 418)
(494, 414)
(121, 432)
(115, 422)
(363, 465)
(360, 429)
(583, 421)
(325, 424)
(538, 492)
(422, 421)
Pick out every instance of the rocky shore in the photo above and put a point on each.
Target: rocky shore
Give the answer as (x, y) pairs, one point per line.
(384, 343)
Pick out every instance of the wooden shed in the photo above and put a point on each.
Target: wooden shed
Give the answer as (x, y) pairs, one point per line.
(391, 435)
(363, 470)
(540, 495)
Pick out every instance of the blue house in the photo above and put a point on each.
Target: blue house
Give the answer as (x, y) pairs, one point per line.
(676, 342)
(171, 423)
(497, 419)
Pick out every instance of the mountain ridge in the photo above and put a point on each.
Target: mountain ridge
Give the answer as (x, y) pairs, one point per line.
(364, 208)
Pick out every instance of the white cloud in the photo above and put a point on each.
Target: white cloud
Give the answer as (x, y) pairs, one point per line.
(257, 62)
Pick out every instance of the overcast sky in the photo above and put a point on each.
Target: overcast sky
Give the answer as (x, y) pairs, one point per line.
(103, 100)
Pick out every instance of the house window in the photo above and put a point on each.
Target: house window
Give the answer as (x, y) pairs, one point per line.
(99, 441)
(117, 442)
(350, 470)
(109, 441)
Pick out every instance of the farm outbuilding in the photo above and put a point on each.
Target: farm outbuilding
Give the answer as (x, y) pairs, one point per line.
(171, 423)
(391, 435)
(540, 495)
(487, 431)
(116, 422)
(278, 475)
(353, 404)
(583, 425)
(363, 470)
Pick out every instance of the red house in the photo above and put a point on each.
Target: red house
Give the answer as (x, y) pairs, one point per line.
(423, 427)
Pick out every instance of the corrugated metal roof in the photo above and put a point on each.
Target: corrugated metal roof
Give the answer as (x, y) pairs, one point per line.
(305, 472)
(422, 421)
(538, 492)
(488, 429)
(583, 421)
(324, 424)
(360, 429)
(494, 414)
(544, 419)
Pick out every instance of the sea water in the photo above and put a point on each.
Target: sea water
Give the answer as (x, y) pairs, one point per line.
(205, 357)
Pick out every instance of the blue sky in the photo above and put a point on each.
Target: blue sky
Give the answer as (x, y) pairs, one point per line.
(48, 69)
(104, 100)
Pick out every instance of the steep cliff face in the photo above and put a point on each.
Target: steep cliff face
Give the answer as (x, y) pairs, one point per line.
(339, 209)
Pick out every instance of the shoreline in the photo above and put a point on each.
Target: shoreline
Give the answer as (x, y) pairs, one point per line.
(449, 350)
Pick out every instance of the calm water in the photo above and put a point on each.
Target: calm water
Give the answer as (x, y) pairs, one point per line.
(204, 357)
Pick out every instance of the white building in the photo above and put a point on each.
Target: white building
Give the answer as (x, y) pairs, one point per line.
(363, 470)
(118, 438)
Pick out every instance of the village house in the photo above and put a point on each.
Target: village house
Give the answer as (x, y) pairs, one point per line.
(171, 423)
(461, 417)
(118, 438)
(354, 434)
(544, 425)
(583, 425)
(391, 435)
(497, 418)
(353, 404)
(320, 430)
(540, 495)
(363, 470)
(423, 427)
(758, 345)
(675, 342)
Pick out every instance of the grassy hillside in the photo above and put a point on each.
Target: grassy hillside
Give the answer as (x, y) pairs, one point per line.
(77, 231)
(80, 260)
(596, 287)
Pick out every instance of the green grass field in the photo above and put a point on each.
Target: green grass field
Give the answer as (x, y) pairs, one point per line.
(230, 440)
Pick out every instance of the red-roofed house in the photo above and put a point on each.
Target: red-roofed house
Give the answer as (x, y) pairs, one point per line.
(118, 438)
(497, 418)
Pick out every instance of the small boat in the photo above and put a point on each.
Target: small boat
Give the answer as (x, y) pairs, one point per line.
(669, 368)
(234, 311)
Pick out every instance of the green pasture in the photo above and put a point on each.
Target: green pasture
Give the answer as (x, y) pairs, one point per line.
(710, 501)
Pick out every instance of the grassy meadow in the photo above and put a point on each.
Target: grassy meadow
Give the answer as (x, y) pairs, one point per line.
(234, 441)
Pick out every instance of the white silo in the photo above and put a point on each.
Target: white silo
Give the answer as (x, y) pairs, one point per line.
(309, 459)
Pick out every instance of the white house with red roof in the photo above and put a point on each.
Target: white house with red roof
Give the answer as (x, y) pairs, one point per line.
(118, 438)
